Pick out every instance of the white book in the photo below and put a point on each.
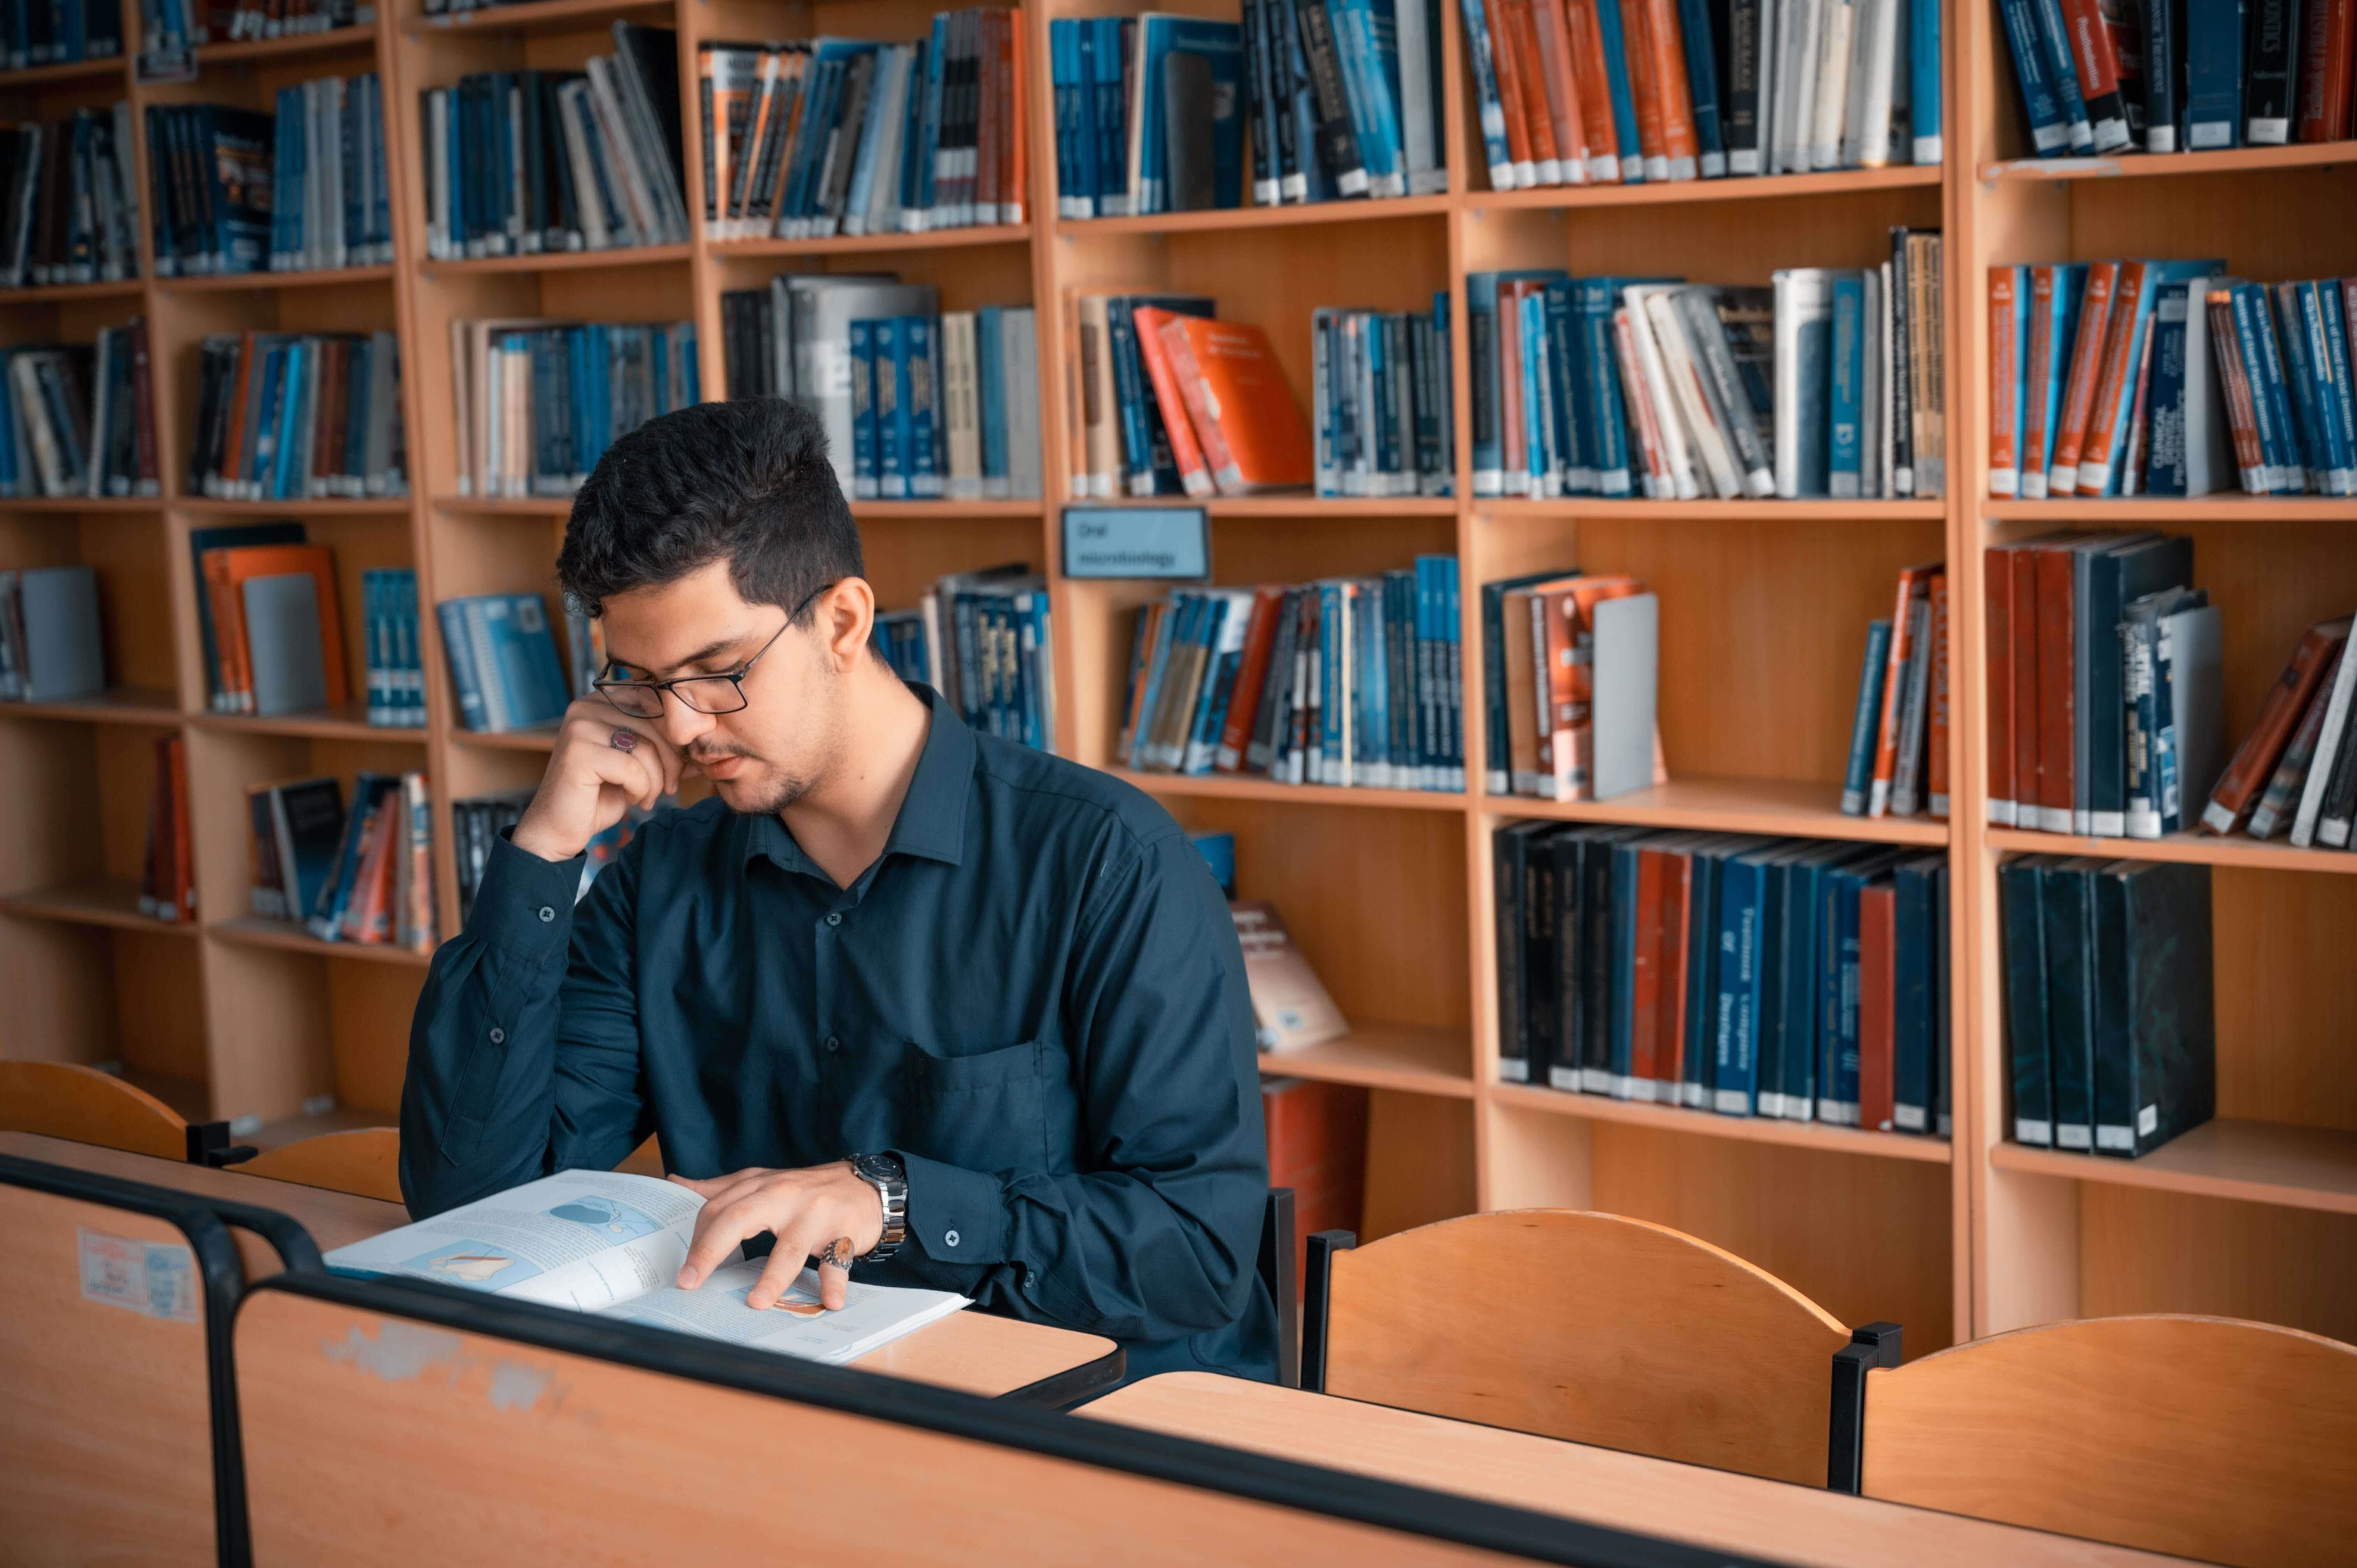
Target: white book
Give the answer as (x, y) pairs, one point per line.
(621, 164)
(1427, 170)
(1804, 296)
(961, 406)
(594, 1241)
(882, 214)
(437, 141)
(1020, 363)
(1874, 418)
(2328, 746)
(1713, 445)
(1677, 449)
(1836, 41)
(1866, 128)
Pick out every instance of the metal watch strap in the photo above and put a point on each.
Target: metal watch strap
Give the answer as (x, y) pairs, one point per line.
(891, 1184)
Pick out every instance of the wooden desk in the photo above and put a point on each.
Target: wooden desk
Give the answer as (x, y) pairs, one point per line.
(971, 1351)
(1713, 1508)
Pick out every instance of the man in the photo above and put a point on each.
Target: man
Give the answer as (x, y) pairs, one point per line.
(899, 994)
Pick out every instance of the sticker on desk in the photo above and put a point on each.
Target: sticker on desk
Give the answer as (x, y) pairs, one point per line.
(156, 1279)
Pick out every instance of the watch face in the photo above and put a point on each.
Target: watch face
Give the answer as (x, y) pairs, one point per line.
(888, 1166)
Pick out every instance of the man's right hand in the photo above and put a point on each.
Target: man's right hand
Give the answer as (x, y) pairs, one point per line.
(591, 782)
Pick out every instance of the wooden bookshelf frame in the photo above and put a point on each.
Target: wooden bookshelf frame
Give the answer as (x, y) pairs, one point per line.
(1389, 892)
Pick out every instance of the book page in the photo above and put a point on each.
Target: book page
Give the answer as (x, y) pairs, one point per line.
(797, 1325)
(578, 1239)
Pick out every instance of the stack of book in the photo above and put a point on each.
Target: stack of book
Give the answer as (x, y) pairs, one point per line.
(1317, 1134)
(503, 662)
(476, 824)
(1174, 402)
(940, 406)
(2105, 710)
(2193, 77)
(330, 203)
(2110, 1027)
(524, 162)
(210, 170)
(1337, 99)
(1352, 682)
(80, 421)
(168, 871)
(1291, 1010)
(50, 649)
(2164, 378)
(1898, 737)
(1382, 394)
(2295, 772)
(1826, 384)
(1784, 978)
(230, 20)
(272, 633)
(288, 417)
(984, 642)
(803, 141)
(36, 34)
(538, 400)
(793, 339)
(1596, 91)
(1557, 646)
(396, 674)
(363, 875)
(72, 201)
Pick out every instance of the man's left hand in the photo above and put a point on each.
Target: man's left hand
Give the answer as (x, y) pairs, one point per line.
(823, 1214)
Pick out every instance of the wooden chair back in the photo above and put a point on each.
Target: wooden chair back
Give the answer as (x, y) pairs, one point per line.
(365, 1162)
(464, 1432)
(1592, 1327)
(2207, 1437)
(1276, 1272)
(61, 1100)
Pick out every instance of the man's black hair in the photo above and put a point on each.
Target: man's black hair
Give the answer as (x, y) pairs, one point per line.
(747, 481)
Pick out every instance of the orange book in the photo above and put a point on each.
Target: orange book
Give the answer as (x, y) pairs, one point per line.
(1592, 82)
(2004, 385)
(1878, 951)
(2325, 54)
(1538, 96)
(417, 852)
(1571, 635)
(1509, 95)
(1669, 1052)
(1935, 764)
(1186, 452)
(369, 916)
(1996, 577)
(1253, 433)
(1680, 144)
(989, 83)
(1251, 674)
(1639, 54)
(2078, 390)
(1562, 91)
(233, 445)
(1645, 980)
(1646, 424)
(182, 888)
(2114, 380)
(2287, 701)
(1513, 444)
(1914, 583)
(2233, 379)
(318, 562)
(1143, 633)
(1318, 1147)
(229, 634)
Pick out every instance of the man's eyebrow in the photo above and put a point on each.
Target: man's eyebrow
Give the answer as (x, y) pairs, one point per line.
(708, 650)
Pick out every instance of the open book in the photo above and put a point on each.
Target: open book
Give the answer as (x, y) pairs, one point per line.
(606, 1242)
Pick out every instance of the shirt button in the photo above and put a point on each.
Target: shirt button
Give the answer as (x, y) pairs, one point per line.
(834, 920)
(834, 1044)
(949, 1239)
(499, 1037)
(546, 914)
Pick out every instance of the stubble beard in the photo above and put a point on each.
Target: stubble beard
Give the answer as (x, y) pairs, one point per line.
(770, 791)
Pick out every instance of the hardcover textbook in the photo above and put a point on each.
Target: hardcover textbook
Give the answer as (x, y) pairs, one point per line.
(593, 1240)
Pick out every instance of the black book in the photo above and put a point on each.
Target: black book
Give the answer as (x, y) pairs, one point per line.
(1702, 977)
(1943, 1121)
(565, 231)
(2164, 73)
(2340, 804)
(2068, 896)
(1600, 973)
(2116, 578)
(2157, 1052)
(1739, 53)
(538, 226)
(2021, 902)
(1260, 125)
(1509, 848)
(1542, 995)
(1337, 143)
(1901, 477)
(844, 151)
(2271, 66)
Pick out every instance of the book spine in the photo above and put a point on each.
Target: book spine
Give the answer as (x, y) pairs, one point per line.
(2273, 72)
(2007, 327)
(2214, 75)
(1489, 101)
(2287, 704)
(2096, 59)
(2328, 48)
(1864, 720)
(1997, 580)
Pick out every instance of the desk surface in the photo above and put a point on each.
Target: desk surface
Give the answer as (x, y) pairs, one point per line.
(971, 1351)
(1713, 1508)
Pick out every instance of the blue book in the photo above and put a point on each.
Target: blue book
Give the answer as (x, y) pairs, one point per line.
(2214, 75)
(1800, 945)
(523, 665)
(2070, 295)
(1767, 1048)
(871, 134)
(1220, 46)
(991, 397)
(1742, 892)
(1488, 372)
(2103, 479)
(1844, 413)
(2326, 359)
(1866, 723)
(2271, 405)
(1371, 745)
(1914, 1024)
(1313, 183)
(2069, 981)
(1452, 647)
(887, 353)
(1702, 83)
(2055, 33)
(1063, 74)
(1620, 1061)
(1222, 643)
(1112, 112)
(1530, 312)
(2334, 322)
(864, 484)
(325, 916)
(1326, 744)
(1631, 159)
(1491, 106)
(2299, 383)
(922, 408)
(1158, 667)
(458, 647)
(1577, 469)
(2169, 463)
(1373, 92)
(1700, 1045)
(1924, 103)
(922, 181)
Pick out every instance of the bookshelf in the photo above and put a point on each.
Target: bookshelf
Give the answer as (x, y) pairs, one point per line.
(1763, 604)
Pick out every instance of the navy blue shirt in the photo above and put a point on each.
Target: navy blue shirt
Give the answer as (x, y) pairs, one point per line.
(1033, 996)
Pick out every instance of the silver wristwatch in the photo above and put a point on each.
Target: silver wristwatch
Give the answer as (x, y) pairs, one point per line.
(889, 1178)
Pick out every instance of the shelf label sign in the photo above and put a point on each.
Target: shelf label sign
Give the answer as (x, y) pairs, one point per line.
(1158, 541)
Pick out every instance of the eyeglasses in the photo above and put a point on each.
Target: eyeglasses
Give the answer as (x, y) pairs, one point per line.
(721, 693)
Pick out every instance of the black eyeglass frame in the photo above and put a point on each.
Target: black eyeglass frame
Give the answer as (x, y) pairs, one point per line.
(736, 678)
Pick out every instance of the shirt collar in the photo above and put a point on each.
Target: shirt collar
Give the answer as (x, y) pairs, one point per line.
(931, 821)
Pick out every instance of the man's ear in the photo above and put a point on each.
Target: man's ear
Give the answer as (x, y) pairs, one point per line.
(845, 618)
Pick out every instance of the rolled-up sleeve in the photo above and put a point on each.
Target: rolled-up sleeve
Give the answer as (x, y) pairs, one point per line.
(1157, 1239)
(523, 1057)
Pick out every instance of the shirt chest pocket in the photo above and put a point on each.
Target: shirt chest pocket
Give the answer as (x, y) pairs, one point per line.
(1002, 1111)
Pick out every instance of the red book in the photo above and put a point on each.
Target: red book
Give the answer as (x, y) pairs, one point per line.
(2095, 54)
(1186, 455)
(1513, 446)
(1637, 51)
(2058, 767)
(1645, 985)
(2114, 380)
(1670, 1052)
(1996, 578)
(1914, 583)
(2037, 439)
(2233, 380)
(1562, 93)
(1935, 761)
(1530, 64)
(2005, 384)
(1251, 675)
(2327, 45)
(1681, 144)
(2026, 752)
(2086, 370)
(1511, 88)
(1592, 83)
(1877, 933)
(1318, 1147)
(2287, 699)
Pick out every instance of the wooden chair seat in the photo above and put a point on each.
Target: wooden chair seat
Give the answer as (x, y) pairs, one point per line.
(1592, 1327)
(366, 1162)
(2207, 1437)
(61, 1100)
